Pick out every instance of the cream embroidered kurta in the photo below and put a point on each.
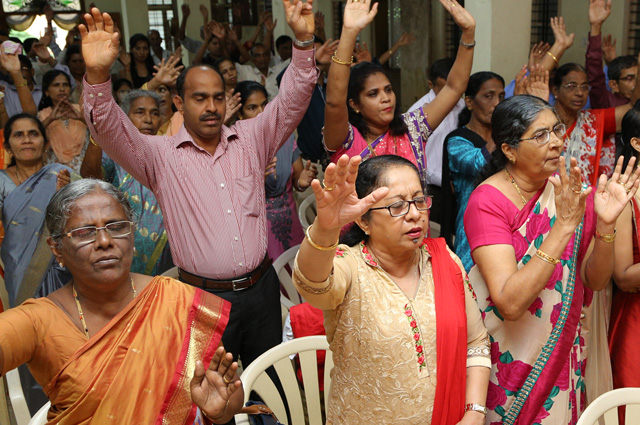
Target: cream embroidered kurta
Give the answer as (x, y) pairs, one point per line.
(385, 365)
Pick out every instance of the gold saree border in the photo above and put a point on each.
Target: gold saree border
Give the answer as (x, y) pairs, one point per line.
(207, 320)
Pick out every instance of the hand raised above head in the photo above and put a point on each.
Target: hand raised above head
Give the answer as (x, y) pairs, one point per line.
(359, 14)
(99, 45)
(614, 194)
(460, 15)
(300, 18)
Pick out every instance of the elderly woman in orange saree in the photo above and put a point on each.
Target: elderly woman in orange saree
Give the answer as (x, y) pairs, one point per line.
(114, 346)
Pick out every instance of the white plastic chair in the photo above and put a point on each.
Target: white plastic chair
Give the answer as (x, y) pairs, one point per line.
(172, 273)
(16, 397)
(607, 404)
(40, 418)
(307, 211)
(255, 379)
(280, 264)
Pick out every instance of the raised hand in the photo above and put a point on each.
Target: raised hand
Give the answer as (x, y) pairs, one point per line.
(307, 175)
(41, 50)
(538, 82)
(233, 106)
(406, 39)
(186, 10)
(599, 11)
(521, 81)
(300, 18)
(269, 23)
(357, 15)
(570, 198)
(337, 203)
(319, 20)
(537, 53)
(100, 45)
(63, 179)
(560, 32)
(460, 16)
(204, 12)
(217, 29)
(124, 58)
(324, 52)
(10, 62)
(612, 196)
(361, 53)
(608, 48)
(211, 389)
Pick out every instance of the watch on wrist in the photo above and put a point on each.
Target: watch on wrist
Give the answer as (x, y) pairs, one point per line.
(304, 44)
(475, 407)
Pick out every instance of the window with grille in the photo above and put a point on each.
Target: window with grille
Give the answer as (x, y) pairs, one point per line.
(161, 12)
(541, 13)
(633, 45)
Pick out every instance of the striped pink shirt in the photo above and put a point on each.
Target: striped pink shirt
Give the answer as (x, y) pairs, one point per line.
(213, 205)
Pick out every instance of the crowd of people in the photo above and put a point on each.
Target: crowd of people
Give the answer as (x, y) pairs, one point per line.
(123, 163)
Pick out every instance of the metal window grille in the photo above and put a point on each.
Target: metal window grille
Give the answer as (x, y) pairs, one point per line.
(452, 35)
(541, 13)
(633, 44)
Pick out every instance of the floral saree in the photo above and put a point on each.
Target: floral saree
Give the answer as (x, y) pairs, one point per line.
(136, 370)
(539, 360)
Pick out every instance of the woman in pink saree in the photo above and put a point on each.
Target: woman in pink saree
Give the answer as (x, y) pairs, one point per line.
(542, 243)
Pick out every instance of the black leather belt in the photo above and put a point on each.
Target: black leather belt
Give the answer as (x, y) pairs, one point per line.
(237, 284)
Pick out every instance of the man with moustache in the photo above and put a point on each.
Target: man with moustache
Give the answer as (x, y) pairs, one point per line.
(208, 178)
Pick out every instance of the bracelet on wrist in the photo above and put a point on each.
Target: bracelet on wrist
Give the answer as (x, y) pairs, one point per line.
(607, 238)
(467, 45)
(339, 62)
(316, 246)
(22, 84)
(475, 407)
(547, 258)
(304, 44)
(553, 57)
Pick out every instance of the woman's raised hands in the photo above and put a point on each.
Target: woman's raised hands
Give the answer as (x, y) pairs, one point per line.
(100, 45)
(460, 15)
(337, 203)
(614, 194)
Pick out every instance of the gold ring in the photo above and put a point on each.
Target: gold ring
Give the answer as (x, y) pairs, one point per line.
(325, 187)
(577, 192)
(623, 185)
(227, 381)
(453, 4)
(539, 51)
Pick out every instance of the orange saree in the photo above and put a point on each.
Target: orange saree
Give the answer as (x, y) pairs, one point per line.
(137, 369)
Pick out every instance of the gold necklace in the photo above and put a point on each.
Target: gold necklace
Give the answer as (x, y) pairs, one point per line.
(84, 324)
(513, 182)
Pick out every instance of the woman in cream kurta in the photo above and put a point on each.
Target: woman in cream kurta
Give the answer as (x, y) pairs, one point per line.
(378, 376)
(399, 312)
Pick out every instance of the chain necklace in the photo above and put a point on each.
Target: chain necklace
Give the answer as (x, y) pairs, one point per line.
(513, 182)
(84, 324)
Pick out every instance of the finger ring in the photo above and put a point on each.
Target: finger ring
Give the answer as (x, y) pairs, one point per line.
(325, 187)
(453, 4)
(227, 381)
(539, 51)
(577, 192)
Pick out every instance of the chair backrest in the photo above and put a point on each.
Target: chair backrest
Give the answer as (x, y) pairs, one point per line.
(283, 266)
(40, 418)
(307, 211)
(607, 404)
(255, 379)
(172, 272)
(16, 396)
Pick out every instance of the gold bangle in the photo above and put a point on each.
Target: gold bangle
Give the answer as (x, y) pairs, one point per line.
(546, 257)
(390, 52)
(22, 84)
(93, 142)
(339, 62)
(318, 247)
(607, 238)
(553, 57)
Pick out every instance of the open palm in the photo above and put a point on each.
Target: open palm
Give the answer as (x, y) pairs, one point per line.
(357, 15)
(612, 196)
(300, 17)
(99, 41)
(340, 205)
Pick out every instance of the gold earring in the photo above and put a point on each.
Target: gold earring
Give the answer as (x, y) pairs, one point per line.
(357, 111)
(61, 264)
(512, 160)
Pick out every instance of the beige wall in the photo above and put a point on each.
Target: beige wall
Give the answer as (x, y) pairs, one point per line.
(134, 15)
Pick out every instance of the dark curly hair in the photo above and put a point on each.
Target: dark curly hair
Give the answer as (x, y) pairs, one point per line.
(371, 175)
(359, 75)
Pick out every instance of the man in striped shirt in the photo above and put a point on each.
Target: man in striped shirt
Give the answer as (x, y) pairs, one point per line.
(208, 178)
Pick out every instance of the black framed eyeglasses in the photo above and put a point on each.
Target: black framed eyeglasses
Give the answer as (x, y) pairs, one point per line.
(543, 136)
(400, 208)
(86, 235)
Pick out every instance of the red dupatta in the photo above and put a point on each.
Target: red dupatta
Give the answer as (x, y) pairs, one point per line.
(451, 335)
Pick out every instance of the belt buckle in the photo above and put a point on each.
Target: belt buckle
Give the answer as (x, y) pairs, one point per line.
(234, 281)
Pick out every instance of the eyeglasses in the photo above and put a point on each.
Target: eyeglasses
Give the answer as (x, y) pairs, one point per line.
(543, 136)
(572, 87)
(86, 235)
(628, 78)
(400, 208)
